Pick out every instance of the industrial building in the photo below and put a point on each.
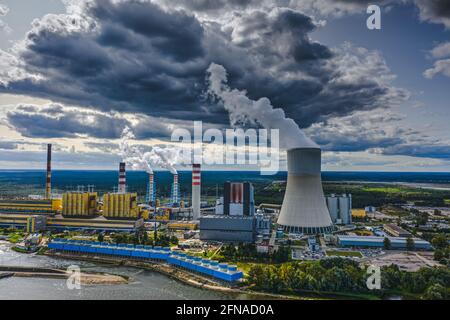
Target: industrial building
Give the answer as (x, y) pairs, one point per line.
(30, 206)
(36, 224)
(238, 200)
(79, 204)
(263, 223)
(304, 209)
(234, 219)
(340, 208)
(120, 205)
(396, 231)
(378, 242)
(228, 228)
(206, 267)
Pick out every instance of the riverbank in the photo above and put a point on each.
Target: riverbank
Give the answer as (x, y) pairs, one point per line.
(191, 279)
(85, 278)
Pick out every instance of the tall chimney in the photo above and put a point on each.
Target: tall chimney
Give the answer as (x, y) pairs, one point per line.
(122, 186)
(48, 184)
(150, 199)
(175, 190)
(196, 185)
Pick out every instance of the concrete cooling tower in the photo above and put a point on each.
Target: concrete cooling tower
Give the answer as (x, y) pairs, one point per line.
(304, 208)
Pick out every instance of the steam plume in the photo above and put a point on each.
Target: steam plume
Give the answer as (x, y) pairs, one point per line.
(162, 157)
(243, 110)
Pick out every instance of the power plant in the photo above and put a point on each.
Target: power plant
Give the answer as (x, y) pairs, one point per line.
(304, 208)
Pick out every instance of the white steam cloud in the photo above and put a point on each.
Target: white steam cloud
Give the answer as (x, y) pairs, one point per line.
(243, 110)
(162, 157)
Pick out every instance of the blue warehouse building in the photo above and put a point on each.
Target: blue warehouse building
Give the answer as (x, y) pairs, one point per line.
(378, 242)
(214, 269)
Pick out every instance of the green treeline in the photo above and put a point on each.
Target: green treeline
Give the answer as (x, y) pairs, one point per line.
(339, 275)
(248, 253)
(362, 194)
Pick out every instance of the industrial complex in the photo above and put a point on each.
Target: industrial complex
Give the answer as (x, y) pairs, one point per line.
(309, 223)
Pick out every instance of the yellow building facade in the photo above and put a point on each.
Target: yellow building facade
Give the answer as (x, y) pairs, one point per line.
(120, 205)
(79, 203)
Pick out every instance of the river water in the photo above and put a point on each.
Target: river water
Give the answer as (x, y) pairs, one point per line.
(145, 285)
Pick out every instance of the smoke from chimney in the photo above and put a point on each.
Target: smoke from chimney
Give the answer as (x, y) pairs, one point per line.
(242, 110)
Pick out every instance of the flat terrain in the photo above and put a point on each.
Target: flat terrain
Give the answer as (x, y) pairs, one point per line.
(407, 261)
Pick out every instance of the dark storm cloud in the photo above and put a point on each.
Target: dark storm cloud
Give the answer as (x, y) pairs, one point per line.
(419, 150)
(137, 57)
(58, 121)
(437, 11)
(359, 132)
(54, 121)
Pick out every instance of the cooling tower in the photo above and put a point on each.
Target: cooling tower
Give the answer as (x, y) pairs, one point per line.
(175, 197)
(122, 182)
(150, 196)
(304, 208)
(196, 185)
(48, 184)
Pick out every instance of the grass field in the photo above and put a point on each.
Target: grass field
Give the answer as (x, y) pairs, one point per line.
(336, 253)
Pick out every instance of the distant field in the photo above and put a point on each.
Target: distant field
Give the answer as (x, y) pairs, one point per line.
(344, 253)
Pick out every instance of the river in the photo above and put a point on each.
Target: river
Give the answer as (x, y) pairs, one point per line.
(146, 285)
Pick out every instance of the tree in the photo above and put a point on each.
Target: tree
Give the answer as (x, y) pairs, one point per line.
(100, 237)
(386, 243)
(437, 212)
(435, 292)
(439, 241)
(410, 244)
(421, 218)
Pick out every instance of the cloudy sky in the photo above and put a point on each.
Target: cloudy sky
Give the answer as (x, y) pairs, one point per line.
(76, 73)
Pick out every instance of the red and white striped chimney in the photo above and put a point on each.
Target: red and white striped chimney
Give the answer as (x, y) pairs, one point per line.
(122, 180)
(48, 184)
(196, 185)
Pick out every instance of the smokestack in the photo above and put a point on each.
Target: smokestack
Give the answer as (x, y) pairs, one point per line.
(150, 199)
(304, 208)
(175, 190)
(196, 191)
(122, 181)
(48, 184)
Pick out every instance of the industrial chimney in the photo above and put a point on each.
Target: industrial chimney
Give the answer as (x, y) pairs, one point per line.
(196, 191)
(150, 199)
(304, 208)
(48, 184)
(122, 181)
(175, 191)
